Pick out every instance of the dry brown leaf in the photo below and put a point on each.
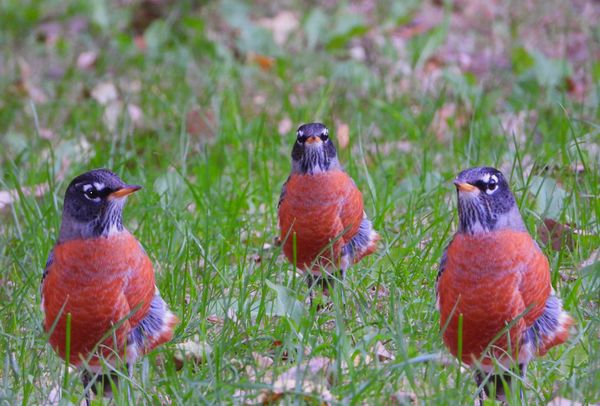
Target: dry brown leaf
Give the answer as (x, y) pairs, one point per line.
(558, 401)
(8, 197)
(382, 353)
(404, 398)
(46, 133)
(263, 61)
(201, 124)
(313, 376)
(87, 60)
(343, 135)
(194, 351)
(49, 32)
(440, 124)
(146, 12)
(262, 361)
(140, 42)
(135, 114)
(214, 319)
(111, 115)
(555, 234)
(25, 83)
(284, 126)
(104, 93)
(281, 25)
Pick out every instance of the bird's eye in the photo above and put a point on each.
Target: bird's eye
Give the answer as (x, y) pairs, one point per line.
(491, 187)
(91, 193)
(324, 136)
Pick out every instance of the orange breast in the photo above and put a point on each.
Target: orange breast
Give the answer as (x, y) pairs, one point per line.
(490, 280)
(321, 213)
(98, 282)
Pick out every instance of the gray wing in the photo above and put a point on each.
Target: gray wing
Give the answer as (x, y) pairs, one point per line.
(49, 262)
(282, 194)
(44, 274)
(441, 268)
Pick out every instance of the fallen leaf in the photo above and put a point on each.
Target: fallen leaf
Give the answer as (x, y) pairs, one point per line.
(382, 353)
(214, 319)
(9, 197)
(140, 42)
(104, 93)
(146, 12)
(26, 84)
(404, 398)
(343, 135)
(49, 32)
(558, 401)
(262, 361)
(86, 60)
(77, 25)
(201, 124)
(310, 378)
(445, 116)
(555, 234)
(111, 115)
(281, 25)
(263, 61)
(46, 133)
(284, 126)
(193, 351)
(135, 114)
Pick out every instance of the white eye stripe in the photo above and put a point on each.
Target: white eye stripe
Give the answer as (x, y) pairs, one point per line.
(87, 187)
(494, 178)
(486, 178)
(99, 185)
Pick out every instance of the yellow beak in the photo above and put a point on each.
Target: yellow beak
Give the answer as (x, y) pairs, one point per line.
(465, 187)
(127, 190)
(312, 139)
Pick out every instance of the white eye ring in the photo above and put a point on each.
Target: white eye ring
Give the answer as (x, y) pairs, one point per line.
(489, 190)
(95, 199)
(89, 188)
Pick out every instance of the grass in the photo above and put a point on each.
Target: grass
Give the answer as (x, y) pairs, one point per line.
(207, 213)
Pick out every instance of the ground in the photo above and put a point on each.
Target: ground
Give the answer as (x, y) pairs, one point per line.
(198, 101)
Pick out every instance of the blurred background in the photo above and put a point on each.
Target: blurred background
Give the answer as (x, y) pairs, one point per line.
(199, 102)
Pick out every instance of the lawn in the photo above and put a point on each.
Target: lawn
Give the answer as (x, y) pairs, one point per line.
(198, 101)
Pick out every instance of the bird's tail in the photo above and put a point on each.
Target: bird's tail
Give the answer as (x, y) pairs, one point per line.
(551, 328)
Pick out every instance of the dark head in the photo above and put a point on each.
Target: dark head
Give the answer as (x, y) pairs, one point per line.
(485, 202)
(93, 205)
(313, 151)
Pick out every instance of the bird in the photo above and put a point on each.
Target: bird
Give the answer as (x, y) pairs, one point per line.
(322, 222)
(98, 283)
(494, 292)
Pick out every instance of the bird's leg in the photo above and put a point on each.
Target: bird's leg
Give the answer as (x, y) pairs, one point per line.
(479, 380)
(311, 280)
(130, 373)
(522, 373)
(87, 380)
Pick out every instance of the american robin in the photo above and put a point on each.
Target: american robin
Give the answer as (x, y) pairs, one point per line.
(98, 291)
(494, 293)
(322, 220)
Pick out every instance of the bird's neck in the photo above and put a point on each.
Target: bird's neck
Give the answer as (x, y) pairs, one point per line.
(110, 223)
(314, 162)
(474, 219)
